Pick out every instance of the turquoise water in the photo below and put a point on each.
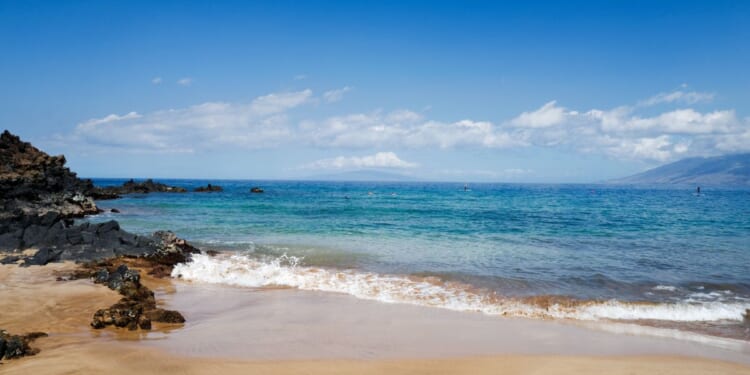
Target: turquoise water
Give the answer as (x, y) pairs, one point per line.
(585, 242)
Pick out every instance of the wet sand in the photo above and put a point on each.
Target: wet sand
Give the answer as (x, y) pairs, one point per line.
(292, 324)
(285, 331)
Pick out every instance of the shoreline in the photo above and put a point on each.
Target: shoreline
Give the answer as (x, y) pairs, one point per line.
(280, 331)
(315, 325)
(721, 323)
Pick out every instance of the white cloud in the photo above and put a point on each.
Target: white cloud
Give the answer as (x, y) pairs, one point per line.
(686, 121)
(261, 123)
(335, 95)
(156, 80)
(300, 77)
(679, 96)
(279, 102)
(378, 160)
(402, 129)
(660, 148)
(548, 115)
(187, 81)
(738, 141)
(111, 118)
(623, 132)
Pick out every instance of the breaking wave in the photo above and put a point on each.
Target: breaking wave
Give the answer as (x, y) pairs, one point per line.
(286, 271)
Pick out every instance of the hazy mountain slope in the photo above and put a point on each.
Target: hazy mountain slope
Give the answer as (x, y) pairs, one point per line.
(727, 170)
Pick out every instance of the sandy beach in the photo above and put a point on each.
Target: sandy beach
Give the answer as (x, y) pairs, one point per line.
(374, 187)
(286, 331)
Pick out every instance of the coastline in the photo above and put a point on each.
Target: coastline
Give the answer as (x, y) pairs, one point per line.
(280, 320)
(281, 331)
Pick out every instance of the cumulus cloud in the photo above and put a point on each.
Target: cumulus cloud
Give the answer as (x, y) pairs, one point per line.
(659, 148)
(335, 95)
(279, 102)
(623, 132)
(261, 123)
(187, 81)
(548, 115)
(402, 129)
(686, 121)
(378, 160)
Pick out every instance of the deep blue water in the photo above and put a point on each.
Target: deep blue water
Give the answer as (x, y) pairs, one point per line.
(583, 241)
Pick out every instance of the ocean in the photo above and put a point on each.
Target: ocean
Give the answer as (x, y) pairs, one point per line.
(664, 257)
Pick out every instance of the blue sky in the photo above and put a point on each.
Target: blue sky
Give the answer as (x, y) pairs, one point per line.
(463, 91)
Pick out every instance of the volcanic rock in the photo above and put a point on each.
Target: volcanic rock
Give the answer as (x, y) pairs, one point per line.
(209, 189)
(133, 187)
(137, 308)
(16, 346)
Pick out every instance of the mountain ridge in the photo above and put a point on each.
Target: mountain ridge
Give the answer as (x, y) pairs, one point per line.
(724, 170)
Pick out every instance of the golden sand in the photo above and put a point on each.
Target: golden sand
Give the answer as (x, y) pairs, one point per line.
(32, 300)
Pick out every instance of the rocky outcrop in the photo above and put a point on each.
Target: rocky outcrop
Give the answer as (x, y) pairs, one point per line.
(40, 197)
(17, 346)
(256, 189)
(29, 174)
(60, 240)
(133, 187)
(137, 309)
(33, 183)
(208, 189)
(91, 242)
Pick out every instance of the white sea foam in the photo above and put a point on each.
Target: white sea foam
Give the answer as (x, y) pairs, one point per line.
(285, 271)
(668, 288)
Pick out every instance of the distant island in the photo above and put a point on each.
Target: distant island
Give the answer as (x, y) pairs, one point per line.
(726, 170)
